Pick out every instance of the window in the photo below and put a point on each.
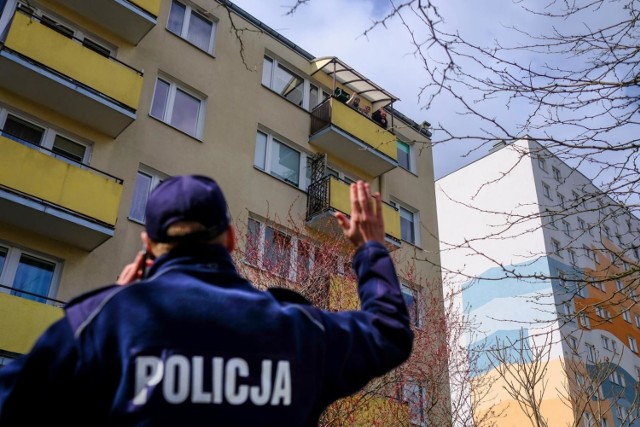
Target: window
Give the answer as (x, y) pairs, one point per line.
(409, 222)
(89, 41)
(591, 352)
(186, 22)
(555, 245)
(415, 396)
(566, 227)
(619, 285)
(572, 256)
(625, 315)
(588, 420)
(552, 218)
(573, 343)
(637, 319)
(584, 321)
(605, 342)
(600, 312)
(546, 190)
(290, 85)
(280, 160)
(32, 134)
(178, 107)
(607, 232)
(556, 174)
(581, 224)
(409, 296)
(604, 422)
(542, 163)
(279, 79)
(633, 344)
(588, 253)
(617, 378)
(561, 201)
(405, 155)
(29, 275)
(146, 180)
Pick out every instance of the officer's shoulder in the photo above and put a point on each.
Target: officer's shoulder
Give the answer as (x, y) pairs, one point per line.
(82, 307)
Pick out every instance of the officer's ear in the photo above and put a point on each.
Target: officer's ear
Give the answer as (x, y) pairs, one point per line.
(230, 238)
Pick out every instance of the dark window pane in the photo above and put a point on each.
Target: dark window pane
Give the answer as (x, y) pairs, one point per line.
(160, 95)
(140, 195)
(69, 149)
(22, 131)
(186, 109)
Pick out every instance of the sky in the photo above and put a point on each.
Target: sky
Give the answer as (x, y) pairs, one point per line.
(385, 56)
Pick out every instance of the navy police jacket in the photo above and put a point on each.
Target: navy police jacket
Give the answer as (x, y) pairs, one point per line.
(196, 344)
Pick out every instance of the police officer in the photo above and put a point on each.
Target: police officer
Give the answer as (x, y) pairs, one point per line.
(193, 343)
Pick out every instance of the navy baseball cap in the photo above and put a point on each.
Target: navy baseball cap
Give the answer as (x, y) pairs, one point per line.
(194, 198)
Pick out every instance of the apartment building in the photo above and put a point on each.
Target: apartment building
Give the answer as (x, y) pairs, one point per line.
(545, 265)
(101, 100)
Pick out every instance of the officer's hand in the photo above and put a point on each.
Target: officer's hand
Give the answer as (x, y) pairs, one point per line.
(134, 271)
(366, 222)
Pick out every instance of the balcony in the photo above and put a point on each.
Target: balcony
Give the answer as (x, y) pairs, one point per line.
(346, 134)
(22, 321)
(330, 195)
(129, 19)
(49, 68)
(71, 203)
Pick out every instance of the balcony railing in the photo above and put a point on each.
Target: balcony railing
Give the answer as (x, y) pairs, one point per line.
(22, 321)
(41, 64)
(331, 194)
(56, 198)
(350, 136)
(129, 19)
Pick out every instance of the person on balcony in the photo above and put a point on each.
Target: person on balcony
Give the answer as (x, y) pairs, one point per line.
(192, 343)
(380, 117)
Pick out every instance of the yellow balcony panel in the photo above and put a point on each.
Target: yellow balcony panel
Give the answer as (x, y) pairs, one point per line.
(343, 132)
(330, 195)
(131, 20)
(42, 65)
(57, 199)
(22, 321)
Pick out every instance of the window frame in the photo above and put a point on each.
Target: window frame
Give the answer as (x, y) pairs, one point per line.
(546, 190)
(169, 104)
(411, 166)
(307, 85)
(48, 138)
(189, 11)
(414, 313)
(415, 223)
(10, 266)
(267, 158)
(156, 177)
(633, 344)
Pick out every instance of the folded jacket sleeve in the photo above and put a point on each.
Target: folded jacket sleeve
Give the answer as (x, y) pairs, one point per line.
(364, 344)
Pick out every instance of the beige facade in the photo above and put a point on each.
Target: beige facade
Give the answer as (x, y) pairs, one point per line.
(96, 100)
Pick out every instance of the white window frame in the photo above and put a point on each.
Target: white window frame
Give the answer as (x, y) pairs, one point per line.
(186, 22)
(266, 156)
(306, 85)
(415, 396)
(637, 320)
(69, 30)
(556, 174)
(605, 342)
(546, 191)
(48, 137)
(167, 114)
(625, 315)
(542, 163)
(416, 220)
(591, 352)
(12, 261)
(555, 245)
(156, 178)
(566, 227)
(633, 345)
(561, 200)
(411, 167)
(585, 321)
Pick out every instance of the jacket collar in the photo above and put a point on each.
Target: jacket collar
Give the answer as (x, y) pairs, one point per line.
(193, 255)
